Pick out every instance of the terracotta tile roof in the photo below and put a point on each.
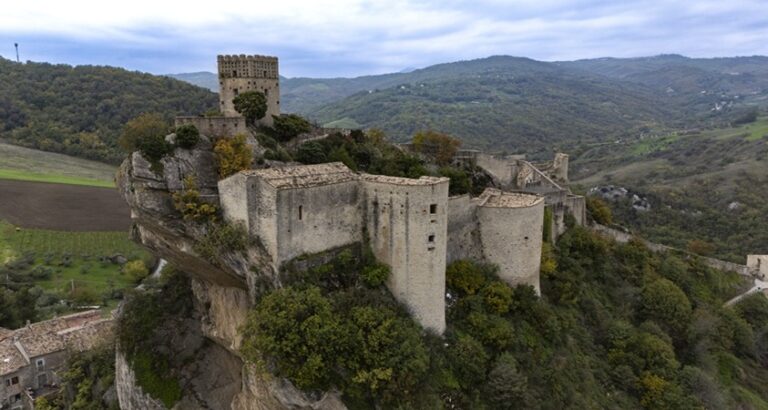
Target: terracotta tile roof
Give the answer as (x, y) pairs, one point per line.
(404, 181)
(80, 331)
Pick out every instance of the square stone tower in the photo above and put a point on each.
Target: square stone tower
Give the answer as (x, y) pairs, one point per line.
(241, 73)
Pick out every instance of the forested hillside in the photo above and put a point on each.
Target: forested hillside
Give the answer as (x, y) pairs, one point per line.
(703, 187)
(81, 110)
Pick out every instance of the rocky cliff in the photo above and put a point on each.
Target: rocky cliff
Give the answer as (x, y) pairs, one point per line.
(212, 373)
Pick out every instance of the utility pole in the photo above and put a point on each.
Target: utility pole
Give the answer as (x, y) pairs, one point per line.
(17, 52)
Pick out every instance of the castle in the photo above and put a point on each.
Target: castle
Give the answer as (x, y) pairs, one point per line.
(411, 225)
(238, 74)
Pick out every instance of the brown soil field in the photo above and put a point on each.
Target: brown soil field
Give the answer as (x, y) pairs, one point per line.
(62, 207)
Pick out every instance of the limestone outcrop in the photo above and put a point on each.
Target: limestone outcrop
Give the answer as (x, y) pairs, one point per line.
(213, 375)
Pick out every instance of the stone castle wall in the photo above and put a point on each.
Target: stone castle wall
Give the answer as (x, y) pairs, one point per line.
(215, 126)
(407, 225)
(411, 225)
(319, 218)
(463, 230)
(511, 238)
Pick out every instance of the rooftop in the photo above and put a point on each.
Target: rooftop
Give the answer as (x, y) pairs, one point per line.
(304, 176)
(495, 198)
(79, 330)
(384, 179)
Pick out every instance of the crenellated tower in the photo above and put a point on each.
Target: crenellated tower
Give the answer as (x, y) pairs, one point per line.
(241, 73)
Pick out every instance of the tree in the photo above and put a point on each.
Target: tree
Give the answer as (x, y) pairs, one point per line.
(442, 147)
(288, 126)
(460, 182)
(233, 155)
(469, 360)
(665, 303)
(252, 105)
(311, 152)
(599, 211)
(145, 126)
(187, 136)
(299, 333)
(464, 277)
(506, 386)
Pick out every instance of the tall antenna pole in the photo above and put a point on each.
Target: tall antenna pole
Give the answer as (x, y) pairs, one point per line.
(17, 51)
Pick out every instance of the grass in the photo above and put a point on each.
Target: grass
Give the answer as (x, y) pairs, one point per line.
(27, 164)
(54, 179)
(751, 132)
(74, 259)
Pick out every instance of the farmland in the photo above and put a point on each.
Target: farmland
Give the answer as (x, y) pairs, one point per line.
(62, 207)
(25, 164)
(76, 267)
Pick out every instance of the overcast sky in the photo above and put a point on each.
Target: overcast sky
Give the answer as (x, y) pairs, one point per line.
(323, 38)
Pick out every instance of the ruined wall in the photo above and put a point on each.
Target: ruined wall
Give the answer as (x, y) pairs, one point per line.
(317, 219)
(463, 230)
(215, 126)
(407, 225)
(759, 265)
(498, 166)
(511, 238)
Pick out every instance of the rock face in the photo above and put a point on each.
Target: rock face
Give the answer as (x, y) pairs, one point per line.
(213, 375)
(129, 394)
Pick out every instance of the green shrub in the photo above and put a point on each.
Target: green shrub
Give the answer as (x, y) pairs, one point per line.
(154, 147)
(497, 296)
(190, 205)
(288, 126)
(465, 277)
(375, 275)
(136, 270)
(220, 238)
(154, 377)
(187, 136)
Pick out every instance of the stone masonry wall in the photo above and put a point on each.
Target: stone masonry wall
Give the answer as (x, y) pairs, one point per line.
(405, 235)
(316, 219)
(511, 238)
(215, 126)
(463, 230)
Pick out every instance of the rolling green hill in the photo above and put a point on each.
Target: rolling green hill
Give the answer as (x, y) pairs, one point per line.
(703, 185)
(28, 164)
(81, 110)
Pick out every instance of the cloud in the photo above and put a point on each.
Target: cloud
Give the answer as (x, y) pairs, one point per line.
(354, 37)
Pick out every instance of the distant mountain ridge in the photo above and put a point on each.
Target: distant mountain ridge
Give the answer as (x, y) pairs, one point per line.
(504, 102)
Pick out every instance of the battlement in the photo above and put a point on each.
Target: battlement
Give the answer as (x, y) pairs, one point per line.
(247, 66)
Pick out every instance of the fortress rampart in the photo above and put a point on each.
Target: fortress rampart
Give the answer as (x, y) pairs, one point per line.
(410, 225)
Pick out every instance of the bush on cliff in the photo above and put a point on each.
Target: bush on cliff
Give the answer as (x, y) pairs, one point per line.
(187, 136)
(232, 155)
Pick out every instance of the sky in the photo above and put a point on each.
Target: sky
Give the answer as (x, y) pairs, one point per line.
(324, 38)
